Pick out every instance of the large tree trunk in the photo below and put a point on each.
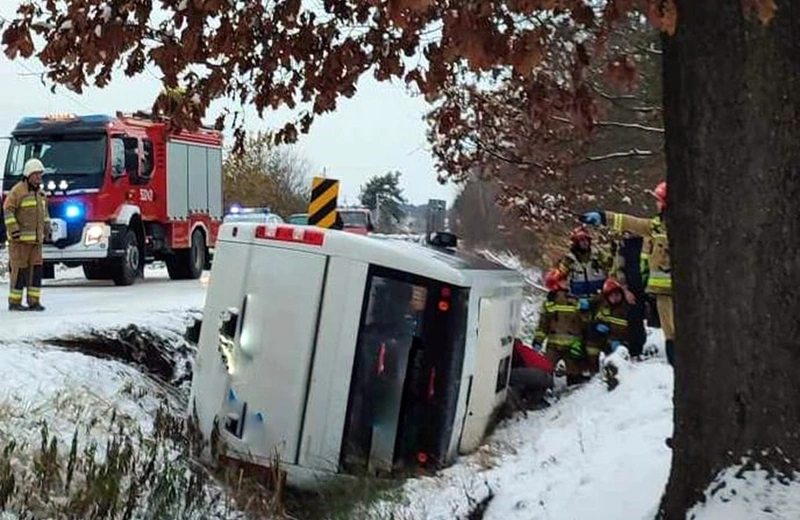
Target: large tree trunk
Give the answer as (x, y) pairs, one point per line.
(732, 117)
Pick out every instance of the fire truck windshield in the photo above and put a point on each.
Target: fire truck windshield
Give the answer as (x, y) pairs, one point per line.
(61, 154)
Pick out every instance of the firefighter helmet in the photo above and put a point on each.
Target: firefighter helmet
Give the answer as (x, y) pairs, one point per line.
(611, 285)
(580, 233)
(554, 280)
(33, 165)
(661, 193)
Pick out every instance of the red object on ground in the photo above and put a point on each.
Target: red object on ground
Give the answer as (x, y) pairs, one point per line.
(532, 358)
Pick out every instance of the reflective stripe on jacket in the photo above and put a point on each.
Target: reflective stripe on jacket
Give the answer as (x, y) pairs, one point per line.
(561, 322)
(656, 250)
(26, 212)
(615, 317)
(585, 277)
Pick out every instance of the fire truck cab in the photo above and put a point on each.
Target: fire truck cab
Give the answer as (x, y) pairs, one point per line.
(348, 354)
(123, 191)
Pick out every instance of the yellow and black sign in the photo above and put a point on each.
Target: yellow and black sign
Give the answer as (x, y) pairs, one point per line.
(324, 199)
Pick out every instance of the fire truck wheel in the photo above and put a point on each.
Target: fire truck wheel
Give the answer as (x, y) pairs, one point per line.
(128, 267)
(99, 271)
(187, 264)
(197, 255)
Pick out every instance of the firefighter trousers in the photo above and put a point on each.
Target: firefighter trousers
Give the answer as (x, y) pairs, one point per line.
(26, 272)
(665, 315)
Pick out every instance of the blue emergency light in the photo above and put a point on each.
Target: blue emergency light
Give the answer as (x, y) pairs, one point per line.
(73, 210)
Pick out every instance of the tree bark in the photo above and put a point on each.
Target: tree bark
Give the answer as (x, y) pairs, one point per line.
(732, 120)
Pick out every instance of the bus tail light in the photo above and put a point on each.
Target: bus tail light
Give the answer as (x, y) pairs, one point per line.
(297, 235)
(432, 383)
(444, 303)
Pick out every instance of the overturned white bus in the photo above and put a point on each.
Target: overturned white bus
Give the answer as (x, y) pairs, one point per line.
(349, 354)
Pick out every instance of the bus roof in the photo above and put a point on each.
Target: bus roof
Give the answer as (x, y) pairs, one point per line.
(455, 267)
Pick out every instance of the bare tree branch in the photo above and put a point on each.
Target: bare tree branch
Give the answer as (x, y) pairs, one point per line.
(617, 100)
(633, 126)
(652, 50)
(635, 152)
(481, 146)
(611, 97)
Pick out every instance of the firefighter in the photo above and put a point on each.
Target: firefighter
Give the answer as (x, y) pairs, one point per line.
(585, 270)
(659, 280)
(627, 271)
(609, 326)
(561, 325)
(28, 223)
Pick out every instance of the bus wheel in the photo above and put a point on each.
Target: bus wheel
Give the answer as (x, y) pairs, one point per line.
(128, 267)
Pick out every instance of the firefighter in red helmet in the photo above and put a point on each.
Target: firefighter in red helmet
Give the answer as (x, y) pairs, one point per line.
(561, 325)
(654, 230)
(608, 327)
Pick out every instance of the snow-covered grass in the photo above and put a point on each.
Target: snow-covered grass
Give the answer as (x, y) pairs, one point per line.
(99, 430)
(125, 419)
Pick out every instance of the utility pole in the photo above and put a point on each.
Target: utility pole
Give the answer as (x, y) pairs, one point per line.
(435, 220)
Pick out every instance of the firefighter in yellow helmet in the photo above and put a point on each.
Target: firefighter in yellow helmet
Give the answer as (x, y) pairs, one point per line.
(28, 223)
(659, 281)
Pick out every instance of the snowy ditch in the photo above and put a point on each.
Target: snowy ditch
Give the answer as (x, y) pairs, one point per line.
(92, 428)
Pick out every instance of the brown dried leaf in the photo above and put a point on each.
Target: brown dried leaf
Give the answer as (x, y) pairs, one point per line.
(765, 9)
(663, 14)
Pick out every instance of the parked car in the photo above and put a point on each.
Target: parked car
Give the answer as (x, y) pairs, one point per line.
(298, 219)
(262, 215)
(353, 220)
(356, 220)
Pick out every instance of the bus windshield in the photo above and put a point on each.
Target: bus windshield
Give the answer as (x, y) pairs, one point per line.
(62, 155)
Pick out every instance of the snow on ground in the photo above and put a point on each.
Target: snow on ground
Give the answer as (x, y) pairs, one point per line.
(748, 492)
(593, 454)
(3, 264)
(75, 304)
(72, 393)
(67, 389)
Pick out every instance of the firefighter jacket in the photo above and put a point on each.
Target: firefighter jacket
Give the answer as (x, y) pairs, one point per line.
(615, 317)
(26, 212)
(656, 250)
(561, 321)
(585, 272)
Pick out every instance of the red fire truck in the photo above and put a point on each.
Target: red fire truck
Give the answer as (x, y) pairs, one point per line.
(124, 191)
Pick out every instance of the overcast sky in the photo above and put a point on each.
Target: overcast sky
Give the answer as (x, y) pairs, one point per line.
(378, 130)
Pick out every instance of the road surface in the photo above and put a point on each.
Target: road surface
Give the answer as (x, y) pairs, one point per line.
(72, 302)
